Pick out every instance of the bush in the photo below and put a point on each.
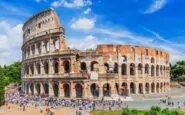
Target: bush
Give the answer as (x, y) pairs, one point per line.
(126, 111)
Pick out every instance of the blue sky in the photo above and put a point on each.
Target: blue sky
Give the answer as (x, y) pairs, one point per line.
(154, 23)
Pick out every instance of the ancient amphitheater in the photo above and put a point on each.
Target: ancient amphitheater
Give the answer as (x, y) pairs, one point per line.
(51, 68)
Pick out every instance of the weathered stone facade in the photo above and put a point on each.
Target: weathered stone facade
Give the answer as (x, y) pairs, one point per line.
(50, 67)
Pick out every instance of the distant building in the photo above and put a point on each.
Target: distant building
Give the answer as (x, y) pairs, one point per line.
(51, 68)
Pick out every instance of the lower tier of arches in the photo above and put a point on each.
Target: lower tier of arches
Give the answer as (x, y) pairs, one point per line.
(85, 89)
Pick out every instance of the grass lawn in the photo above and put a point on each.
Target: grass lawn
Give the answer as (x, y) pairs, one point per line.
(103, 112)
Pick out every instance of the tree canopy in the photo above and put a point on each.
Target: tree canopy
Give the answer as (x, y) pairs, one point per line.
(9, 74)
(178, 70)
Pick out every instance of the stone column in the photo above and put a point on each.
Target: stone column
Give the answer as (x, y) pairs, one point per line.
(113, 91)
(128, 69)
(100, 91)
(51, 71)
(43, 47)
(143, 89)
(136, 71)
(51, 93)
(61, 90)
(41, 67)
(143, 70)
(52, 48)
(137, 88)
(85, 87)
(72, 61)
(72, 90)
(128, 88)
(41, 89)
(35, 89)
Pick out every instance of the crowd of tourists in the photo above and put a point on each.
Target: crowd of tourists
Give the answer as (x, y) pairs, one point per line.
(44, 104)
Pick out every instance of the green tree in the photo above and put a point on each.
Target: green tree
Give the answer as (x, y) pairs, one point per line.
(178, 70)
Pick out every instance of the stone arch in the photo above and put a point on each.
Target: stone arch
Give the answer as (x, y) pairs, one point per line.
(38, 68)
(106, 90)
(132, 69)
(106, 65)
(147, 88)
(32, 88)
(152, 70)
(161, 87)
(157, 70)
(79, 90)
(161, 70)
(32, 69)
(66, 66)
(124, 69)
(46, 67)
(152, 60)
(38, 88)
(157, 88)
(153, 88)
(33, 49)
(83, 66)
(124, 89)
(66, 88)
(56, 66)
(39, 47)
(93, 65)
(55, 89)
(56, 44)
(94, 90)
(115, 67)
(132, 88)
(140, 68)
(140, 88)
(46, 89)
(146, 68)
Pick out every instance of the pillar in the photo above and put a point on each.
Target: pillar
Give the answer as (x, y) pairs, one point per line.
(72, 90)
(100, 91)
(35, 89)
(41, 89)
(51, 93)
(61, 90)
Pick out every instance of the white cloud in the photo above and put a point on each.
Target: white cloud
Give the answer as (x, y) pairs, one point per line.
(71, 4)
(83, 23)
(11, 41)
(157, 5)
(87, 11)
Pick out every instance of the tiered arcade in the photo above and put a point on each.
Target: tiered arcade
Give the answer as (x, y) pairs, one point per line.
(51, 68)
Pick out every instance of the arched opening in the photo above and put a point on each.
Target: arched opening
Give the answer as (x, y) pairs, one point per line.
(94, 90)
(83, 66)
(32, 69)
(157, 87)
(27, 89)
(39, 48)
(56, 44)
(117, 88)
(146, 69)
(152, 87)
(46, 67)
(79, 90)
(152, 70)
(55, 90)
(115, 67)
(106, 65)
(157, 70)
(106, 90)
(93, 65)
(32, 89)
(38, 68)
(66, 90)
(161, 87)
(147, 88)
(132, 88)
(140, 69)
(124, 69)
(33, 49)
(66, 67)
(46, 89)
(132, 69)
(161, 70)
(140, 88)
(124, 89)
(152, 60)
(56, 66)
(38, 89)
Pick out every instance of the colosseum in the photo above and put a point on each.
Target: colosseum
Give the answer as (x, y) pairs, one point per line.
(51, 68)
